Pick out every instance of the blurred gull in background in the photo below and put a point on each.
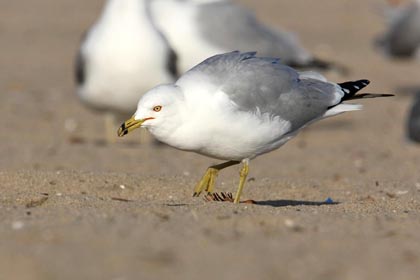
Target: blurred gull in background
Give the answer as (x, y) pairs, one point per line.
(237, 106)
(402, 39)
(413, 122)
(122, 56)
(197, 29)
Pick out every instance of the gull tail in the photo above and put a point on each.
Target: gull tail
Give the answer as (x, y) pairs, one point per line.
(341, 108)
(351, 88)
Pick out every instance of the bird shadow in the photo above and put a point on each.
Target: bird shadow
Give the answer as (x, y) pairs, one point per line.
(288, 202)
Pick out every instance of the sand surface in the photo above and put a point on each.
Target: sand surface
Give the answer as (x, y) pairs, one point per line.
(72, 207)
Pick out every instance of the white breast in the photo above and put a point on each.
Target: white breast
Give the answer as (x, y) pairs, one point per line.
(213, 126)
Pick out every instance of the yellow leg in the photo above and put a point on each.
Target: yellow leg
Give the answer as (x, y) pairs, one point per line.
(212, 180)
(242, 178)
(110, 128)
(208, 181)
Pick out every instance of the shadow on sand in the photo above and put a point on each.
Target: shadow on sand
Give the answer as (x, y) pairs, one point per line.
(284, 203)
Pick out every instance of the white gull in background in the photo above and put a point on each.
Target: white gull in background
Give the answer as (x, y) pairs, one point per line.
(237, 106)
(121, 57)
(199, 29)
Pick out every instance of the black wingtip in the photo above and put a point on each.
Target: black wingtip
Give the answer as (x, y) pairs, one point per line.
(369, 95)
(352, 87)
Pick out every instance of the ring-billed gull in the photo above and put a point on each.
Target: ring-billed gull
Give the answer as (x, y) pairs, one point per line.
(237, 106)
(121, 57)
(200, 29)
(402, 39)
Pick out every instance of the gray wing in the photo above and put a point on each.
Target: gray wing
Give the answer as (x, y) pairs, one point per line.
(403, 37)
(264, 85)
(232, 27)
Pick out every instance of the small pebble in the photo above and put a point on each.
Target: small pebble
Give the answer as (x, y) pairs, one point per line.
(70, 125)
(401, 192)
(122, 187)
(17, 225)
(289, 223)
(369, 198)
(391, 195)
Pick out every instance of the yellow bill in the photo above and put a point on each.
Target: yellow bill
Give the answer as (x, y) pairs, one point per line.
(129, 125)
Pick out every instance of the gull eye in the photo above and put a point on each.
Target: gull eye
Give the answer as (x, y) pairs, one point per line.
(157, 108)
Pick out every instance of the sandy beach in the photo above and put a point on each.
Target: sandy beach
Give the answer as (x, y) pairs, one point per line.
(74, 207)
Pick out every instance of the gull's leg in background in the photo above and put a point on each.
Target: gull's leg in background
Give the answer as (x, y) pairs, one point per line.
(110, 128)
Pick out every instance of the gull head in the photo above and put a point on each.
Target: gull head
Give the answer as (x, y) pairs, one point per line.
(158, 110)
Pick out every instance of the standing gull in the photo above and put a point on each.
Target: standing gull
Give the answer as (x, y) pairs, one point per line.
(237, 106)
(122, 56)
(200, 29)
